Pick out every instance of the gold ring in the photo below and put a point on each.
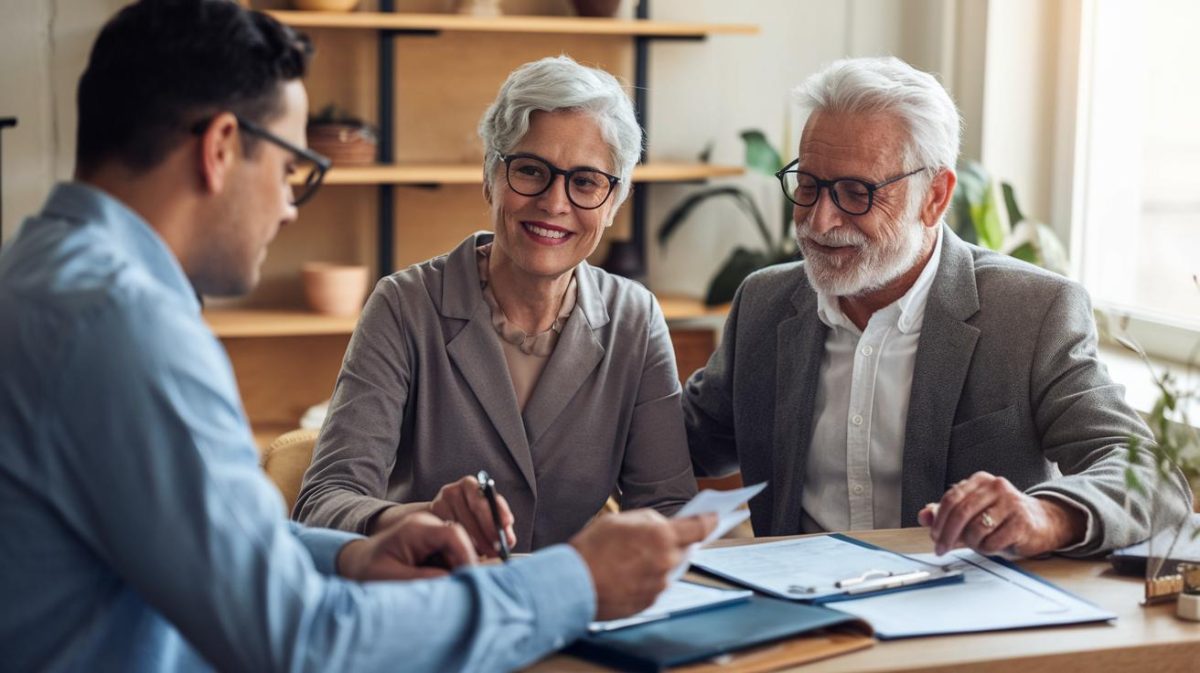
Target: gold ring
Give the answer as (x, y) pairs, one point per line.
(986, 520)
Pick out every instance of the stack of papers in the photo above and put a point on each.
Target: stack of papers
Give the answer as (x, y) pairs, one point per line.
(993, 596)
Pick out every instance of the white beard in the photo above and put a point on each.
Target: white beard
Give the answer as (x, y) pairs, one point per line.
(875, 265)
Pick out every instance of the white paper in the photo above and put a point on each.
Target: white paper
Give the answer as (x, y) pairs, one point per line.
(679, 597)
(991, 597)
(804, 568)
(722, 503)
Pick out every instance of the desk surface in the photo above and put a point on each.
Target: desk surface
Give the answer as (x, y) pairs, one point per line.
(1141, 639)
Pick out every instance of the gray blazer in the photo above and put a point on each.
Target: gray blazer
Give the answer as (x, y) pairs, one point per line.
(1006, 380)
(424, 398)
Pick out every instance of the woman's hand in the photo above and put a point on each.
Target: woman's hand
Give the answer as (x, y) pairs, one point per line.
(463, 502)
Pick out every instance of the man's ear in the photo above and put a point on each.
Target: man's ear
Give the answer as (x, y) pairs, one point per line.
(941, 190)
(487, 190)
(219, 150)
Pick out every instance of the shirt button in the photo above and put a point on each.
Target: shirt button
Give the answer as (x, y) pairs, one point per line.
(867, 350)
(856, 419)
(858, 489)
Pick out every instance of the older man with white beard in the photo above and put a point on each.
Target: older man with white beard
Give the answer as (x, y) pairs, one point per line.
(899, 376)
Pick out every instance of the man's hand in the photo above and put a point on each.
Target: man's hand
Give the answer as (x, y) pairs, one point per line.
(630, 555)
(406, 550)
(988, 514)
(462, 502)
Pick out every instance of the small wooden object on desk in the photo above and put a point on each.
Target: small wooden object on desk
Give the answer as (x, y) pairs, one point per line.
(1189, 599)
(335, 290)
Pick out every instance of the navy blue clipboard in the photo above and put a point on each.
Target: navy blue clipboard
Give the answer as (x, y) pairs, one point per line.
(699, 636)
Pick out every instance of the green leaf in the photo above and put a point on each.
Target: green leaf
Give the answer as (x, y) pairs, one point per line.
(969, 194)
(760, 156)
(1010, 203)
(741, 198)
(741, 263)
(988, 226)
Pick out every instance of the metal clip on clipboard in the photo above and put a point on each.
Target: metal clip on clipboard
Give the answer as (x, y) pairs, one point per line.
(881, 580)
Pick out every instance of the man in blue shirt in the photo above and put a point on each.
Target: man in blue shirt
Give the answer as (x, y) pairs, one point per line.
(137, 532)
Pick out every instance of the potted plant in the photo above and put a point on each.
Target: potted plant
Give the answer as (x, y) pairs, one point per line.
(977, 216)
(344, 138)
(762, 158)
(1175, 445)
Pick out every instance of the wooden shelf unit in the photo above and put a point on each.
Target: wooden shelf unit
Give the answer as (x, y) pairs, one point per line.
(472, 174)
(286, 360)
(569, 25)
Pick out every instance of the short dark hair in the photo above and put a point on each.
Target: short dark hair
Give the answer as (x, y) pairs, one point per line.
(160, 66)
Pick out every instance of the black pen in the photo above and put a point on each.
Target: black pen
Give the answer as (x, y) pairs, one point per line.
(488, 488)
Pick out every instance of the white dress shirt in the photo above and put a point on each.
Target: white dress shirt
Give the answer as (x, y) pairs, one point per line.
(854, 465)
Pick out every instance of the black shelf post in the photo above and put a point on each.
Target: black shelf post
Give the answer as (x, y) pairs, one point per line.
(386, 233)
(5, 122)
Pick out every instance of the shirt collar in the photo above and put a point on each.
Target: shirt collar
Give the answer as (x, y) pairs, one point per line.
(910, 307)
(80, 202)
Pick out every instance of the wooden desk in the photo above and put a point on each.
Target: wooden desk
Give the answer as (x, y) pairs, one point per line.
(1141, 639)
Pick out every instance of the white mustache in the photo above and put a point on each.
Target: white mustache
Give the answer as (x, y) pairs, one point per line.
(836, 237)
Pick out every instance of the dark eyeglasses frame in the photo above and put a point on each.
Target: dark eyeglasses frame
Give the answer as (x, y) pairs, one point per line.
(555, 171)
(314, 179)
(829, 184)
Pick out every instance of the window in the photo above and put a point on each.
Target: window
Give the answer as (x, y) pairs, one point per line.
(1138, 219)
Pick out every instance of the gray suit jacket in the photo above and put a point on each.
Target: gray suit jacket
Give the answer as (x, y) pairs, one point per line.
(1006, 380)
(424, 398)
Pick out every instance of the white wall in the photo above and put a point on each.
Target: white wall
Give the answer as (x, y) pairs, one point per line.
(43, 47)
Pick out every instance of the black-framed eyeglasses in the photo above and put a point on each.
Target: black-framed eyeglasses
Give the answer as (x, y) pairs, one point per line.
(851, 195)
(531, 175)
(308, 170)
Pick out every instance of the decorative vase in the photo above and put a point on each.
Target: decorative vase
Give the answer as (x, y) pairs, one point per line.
(334, 289)
(596, 8)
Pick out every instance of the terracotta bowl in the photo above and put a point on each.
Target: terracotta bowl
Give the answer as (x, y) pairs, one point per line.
(334, 289)
(325, 5)
(344, 144)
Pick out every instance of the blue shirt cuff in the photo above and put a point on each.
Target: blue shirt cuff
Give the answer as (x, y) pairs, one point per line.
(323, 545)
(563, 595)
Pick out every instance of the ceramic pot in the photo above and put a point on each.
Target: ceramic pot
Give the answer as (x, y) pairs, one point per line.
(334, 289)
(344, 144)
(596, 8)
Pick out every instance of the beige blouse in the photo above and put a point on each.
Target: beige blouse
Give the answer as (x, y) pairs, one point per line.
(525, 354)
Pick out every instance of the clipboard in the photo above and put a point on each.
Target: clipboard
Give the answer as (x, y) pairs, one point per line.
(822, 569)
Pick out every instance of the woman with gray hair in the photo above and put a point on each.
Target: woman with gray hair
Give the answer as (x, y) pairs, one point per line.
(512, 355)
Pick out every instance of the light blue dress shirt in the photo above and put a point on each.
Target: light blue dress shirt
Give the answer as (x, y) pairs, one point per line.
(137, 532)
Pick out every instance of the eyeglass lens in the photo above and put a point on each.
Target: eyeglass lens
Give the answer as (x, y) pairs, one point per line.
(852, 196)
(530, 176)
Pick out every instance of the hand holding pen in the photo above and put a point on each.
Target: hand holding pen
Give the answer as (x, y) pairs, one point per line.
(485, 519)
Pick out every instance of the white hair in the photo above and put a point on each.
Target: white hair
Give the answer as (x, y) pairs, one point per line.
(891, 86)
(559, 83)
